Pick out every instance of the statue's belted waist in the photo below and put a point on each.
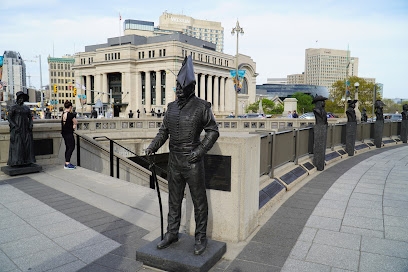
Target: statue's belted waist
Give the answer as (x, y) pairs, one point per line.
(183, 147)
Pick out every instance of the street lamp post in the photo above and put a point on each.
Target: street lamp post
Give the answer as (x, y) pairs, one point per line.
(239, 30)
(41, 86)
(349, 61)
(357, 110)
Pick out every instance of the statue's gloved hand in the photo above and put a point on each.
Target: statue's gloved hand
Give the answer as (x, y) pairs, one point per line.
(196, 155)
(148, 151)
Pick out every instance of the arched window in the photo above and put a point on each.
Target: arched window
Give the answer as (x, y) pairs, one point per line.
(244, 89)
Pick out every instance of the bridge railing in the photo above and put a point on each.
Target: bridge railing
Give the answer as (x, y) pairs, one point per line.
(278, 148)
(224, 124)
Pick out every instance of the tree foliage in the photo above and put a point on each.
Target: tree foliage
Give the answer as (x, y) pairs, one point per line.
(365, 92)
(268, 107)
(304, 102)
(392, 107)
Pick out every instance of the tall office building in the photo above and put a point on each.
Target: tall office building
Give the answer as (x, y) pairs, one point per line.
(323, 67)
(62, 80)
(201, 29)
(14, 74)
(209, 31)
(296, 79)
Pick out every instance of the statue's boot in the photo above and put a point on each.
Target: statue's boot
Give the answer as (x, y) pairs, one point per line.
(168, 239)
(200, 246)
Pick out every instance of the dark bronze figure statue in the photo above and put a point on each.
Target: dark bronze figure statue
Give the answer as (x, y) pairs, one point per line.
(351, 127)
(404, 123)
(364, 115)
(184, 121)
(320, 132)
(379, 123)
(21, 152)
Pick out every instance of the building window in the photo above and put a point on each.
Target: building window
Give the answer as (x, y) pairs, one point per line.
(164, 52)
(163, 87)
(143, 55)
(152, 53)
(139, 55)
(153, 88)
(143, 75)
(109, 56)
(106, 57)
(160, 52)
(119, 55)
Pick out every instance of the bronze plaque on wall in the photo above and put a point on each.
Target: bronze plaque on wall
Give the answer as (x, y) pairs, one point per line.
(218, 172)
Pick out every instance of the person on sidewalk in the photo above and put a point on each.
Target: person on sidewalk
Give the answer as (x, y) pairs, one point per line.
(68, 125)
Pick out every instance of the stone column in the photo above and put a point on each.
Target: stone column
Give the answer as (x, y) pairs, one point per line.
(170, 85)
(158, 88)
(209, 89)
(202, 86)
(88, 88)
(222, 94)
(216, 95)
(105, 88)
(196, 86)
(148, 95)
(136, 92)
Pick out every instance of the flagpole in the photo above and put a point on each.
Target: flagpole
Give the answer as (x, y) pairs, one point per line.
(120, 20)
(346, 83)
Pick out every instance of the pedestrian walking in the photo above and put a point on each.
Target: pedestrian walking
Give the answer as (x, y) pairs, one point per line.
(290, 114)
(295, 115)
(130, 114)
(68, 125)
(138, 113)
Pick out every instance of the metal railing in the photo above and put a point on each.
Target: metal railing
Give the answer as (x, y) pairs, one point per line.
(278, 148)
(112, 143)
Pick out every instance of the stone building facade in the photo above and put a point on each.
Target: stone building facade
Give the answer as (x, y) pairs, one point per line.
(135, 72)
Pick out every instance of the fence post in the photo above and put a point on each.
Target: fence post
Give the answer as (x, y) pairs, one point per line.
(78, 151)
(271, 173)
(117, 167)
(332, 138)
(297, 146)
(111, 157)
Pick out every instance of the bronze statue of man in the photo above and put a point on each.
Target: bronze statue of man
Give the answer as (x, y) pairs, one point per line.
(184, 121)
(320, 132)
(21, 152)
(379, 123)
(351, 127)
(404, 123)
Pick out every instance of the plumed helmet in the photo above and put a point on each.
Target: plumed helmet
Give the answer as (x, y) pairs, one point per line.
(352, 101)
(186, 76)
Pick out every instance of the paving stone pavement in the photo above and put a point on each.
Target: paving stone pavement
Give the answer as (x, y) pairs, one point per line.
(350, 217)
(42, 229)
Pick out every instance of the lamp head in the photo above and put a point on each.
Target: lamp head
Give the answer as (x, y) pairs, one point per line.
(356, 84)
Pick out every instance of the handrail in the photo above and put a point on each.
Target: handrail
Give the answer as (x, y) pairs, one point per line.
(111, 156)
(128, 150)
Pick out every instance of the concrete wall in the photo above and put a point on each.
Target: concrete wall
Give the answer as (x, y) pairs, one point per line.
(233, 215)
(40, 131)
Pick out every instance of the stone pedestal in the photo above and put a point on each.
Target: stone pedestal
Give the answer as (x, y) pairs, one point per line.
(179, 257)
(319, 146)
(21, 170)
(351, 132)
(378, 132)
(289, 104)
(404, 131)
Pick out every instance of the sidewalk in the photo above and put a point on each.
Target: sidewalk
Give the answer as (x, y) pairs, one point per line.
(351, 217)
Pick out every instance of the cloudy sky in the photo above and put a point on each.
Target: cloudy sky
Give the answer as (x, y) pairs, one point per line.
(276, 32)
